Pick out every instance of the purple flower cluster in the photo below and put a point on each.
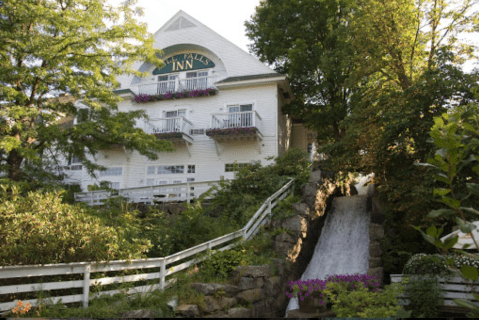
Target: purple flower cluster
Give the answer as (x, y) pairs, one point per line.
(310, 287)
(230, 131)
(142, 98)
(172, 95)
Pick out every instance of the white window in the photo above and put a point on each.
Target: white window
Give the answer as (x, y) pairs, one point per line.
(171, 169)
(240, 115)
(191, 168)
(195, 132)
(233, 167)
(74, 164)
(175, 113)
(150, 170)
(115, 185)
(167, 83)
(114, 171)
(196, 80)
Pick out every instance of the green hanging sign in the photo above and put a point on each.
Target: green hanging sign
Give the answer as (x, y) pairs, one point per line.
(184, 62)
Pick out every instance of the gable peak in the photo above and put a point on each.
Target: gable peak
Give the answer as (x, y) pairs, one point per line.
(182, 22)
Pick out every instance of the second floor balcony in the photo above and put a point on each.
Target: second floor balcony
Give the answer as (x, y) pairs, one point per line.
(174, 129)
(235, 125)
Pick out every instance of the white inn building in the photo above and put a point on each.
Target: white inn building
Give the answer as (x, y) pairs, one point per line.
(220, 106)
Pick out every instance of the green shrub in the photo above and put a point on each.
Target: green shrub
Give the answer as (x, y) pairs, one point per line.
(221, 263)
(193, 227)
(239, 199)
(426, 295)
(362, 303)
(40, 229)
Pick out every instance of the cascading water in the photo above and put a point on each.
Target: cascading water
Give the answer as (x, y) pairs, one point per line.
(343, 247)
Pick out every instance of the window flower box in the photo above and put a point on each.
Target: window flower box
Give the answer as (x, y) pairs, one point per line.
(231, 132)
(169, 135)
(142, 98)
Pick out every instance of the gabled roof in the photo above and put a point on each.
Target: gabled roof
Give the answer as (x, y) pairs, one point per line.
(251, 77)
(184, 29)
(182, 32)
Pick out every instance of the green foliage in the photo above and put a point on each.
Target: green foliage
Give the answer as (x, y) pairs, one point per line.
(456, 171)
(362, 303)
(220, 264)
(284, 209)
(106, 306)
(426, 295)
(77, 48)
(193, 227)
(40, 229)
(238, 199)
(316, 56)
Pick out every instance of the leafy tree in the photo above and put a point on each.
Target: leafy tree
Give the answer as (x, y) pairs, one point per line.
(407, 60)
(74, 47)
(310, 42)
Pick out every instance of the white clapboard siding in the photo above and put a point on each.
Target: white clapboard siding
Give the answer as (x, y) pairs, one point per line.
(203, 151)
(166, 265)
(455, 288)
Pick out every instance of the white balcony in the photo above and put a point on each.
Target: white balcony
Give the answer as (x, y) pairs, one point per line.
(175, 129)
(232, 120)
(183, 85)
(235, 126)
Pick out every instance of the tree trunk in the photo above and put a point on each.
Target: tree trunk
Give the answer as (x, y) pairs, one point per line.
(14, 161)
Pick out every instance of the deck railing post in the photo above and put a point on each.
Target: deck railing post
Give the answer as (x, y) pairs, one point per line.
(86, 286)
(188, 192)
(163, 274)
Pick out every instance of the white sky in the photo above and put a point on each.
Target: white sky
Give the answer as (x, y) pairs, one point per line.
(225, 17)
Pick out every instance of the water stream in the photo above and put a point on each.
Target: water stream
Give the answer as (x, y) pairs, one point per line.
(343, 247)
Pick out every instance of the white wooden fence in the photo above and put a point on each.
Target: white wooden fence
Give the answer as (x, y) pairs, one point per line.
(168, 265)
(149, 195)
(455, 288)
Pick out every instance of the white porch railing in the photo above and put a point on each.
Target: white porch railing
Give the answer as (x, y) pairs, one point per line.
(244, 119)
(189, 84)
(168, 265)
(166, 125)
(151, 194)
(455, 288)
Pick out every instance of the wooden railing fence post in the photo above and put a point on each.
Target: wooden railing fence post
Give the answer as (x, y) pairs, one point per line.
(86, 286)
(163, 274)
(269, 208)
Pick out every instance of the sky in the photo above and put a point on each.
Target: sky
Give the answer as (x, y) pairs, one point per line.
(225, 17)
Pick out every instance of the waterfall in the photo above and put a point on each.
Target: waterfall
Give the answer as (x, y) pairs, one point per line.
(343, 247)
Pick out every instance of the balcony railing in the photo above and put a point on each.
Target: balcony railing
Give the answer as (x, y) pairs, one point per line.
(189, 84)
(245, 119)
(167, 125)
